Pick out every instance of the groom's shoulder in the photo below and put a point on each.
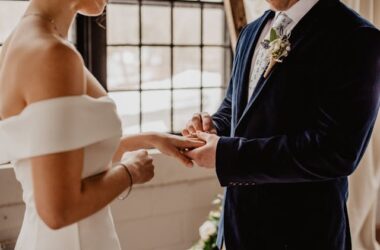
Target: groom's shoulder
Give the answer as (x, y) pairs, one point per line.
(349, 20)
(357, 31)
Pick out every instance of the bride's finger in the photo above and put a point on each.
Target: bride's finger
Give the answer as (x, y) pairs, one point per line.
(191, 143)
(184, 159)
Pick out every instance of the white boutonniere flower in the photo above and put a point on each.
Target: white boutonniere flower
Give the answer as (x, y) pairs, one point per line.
(278, 47)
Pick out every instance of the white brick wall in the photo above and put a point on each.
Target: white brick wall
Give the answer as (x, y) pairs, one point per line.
(162, 215)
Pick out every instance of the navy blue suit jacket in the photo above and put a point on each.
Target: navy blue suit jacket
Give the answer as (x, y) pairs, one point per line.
(285, 154)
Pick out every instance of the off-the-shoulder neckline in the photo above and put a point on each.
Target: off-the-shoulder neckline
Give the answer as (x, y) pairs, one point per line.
(50, 100)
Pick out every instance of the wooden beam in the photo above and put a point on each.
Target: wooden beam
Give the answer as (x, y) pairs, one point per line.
(236, 18)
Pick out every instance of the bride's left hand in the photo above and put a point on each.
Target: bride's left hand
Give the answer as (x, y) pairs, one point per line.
(174, 146)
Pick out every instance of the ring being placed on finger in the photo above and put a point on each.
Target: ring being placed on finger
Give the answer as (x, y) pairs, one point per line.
(184, 150)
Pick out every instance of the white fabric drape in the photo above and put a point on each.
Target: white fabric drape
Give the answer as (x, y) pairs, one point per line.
(363, 199)
(365, 182)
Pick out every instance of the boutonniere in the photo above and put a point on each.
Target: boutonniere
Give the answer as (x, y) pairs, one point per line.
(278, 47)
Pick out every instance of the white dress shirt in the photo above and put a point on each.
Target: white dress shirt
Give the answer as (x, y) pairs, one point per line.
(296, 13)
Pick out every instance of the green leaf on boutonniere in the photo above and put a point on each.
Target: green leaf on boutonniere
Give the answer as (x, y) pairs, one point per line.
(273, 35)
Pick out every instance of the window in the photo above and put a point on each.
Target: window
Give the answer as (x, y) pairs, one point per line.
(160, 60)
(165, 61)
(255, 9)
(10, 14)
(11, 11)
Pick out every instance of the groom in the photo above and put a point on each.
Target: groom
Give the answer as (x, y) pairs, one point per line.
(284, 144)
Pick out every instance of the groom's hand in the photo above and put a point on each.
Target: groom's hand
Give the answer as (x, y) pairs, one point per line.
(200, 122)
(205, 156)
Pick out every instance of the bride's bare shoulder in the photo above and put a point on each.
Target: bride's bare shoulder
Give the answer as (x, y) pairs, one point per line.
(50, 68)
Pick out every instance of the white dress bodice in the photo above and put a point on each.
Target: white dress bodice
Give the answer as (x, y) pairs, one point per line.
(60, 125)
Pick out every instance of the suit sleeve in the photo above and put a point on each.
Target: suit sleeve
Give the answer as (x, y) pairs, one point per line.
(331, 147)
(222, 118)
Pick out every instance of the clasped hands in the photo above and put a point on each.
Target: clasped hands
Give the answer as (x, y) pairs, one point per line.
(202, 127)
(198, 144)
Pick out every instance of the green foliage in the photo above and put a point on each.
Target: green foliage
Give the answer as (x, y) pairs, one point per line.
(211, 244)
(273, 35)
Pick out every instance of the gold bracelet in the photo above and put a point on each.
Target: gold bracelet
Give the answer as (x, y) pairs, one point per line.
(123, 197)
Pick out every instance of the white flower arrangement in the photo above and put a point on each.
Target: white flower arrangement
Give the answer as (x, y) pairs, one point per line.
(209, 229)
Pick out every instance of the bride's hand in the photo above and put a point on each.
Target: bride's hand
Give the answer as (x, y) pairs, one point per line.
(174, 146)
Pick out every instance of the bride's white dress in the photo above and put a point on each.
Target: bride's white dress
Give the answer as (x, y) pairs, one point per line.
(59, 125)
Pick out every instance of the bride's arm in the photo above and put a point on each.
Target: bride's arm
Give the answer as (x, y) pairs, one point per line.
(171, 145)
(61, 196)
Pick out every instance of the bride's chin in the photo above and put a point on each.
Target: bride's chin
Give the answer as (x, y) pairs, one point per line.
(91, 13)
(96, 10)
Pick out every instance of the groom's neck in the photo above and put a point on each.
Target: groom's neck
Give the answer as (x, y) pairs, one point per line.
(281, 5)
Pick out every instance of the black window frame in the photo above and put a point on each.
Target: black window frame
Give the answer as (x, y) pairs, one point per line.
(201, 4)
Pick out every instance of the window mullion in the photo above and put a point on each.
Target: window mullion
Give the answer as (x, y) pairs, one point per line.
(92, 44)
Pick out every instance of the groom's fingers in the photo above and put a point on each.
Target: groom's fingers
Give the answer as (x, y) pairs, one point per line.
(197, 122)
(206, 122)
(193, 155)
(190, 128)
(203, 136)
(183, 158)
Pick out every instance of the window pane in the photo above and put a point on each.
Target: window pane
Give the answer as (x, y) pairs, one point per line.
(162, 65)
(187, 25)
(156, 67)
(186, 103)
(212, 98)
(156, 25)
(122, 24)
(187, 69)
(214, 26)
(10, 14)
(215, 65)
(128, 108)
(156, 111)
(123, 68)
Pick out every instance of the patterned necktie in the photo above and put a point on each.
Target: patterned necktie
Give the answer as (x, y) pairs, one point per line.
(262, 60)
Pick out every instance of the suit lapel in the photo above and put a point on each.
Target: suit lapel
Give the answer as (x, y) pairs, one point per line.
(252, 40)
(302, 30)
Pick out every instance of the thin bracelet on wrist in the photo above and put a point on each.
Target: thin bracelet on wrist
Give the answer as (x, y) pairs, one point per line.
(123, 197)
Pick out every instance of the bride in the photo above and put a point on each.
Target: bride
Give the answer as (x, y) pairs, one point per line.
(62, 134)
